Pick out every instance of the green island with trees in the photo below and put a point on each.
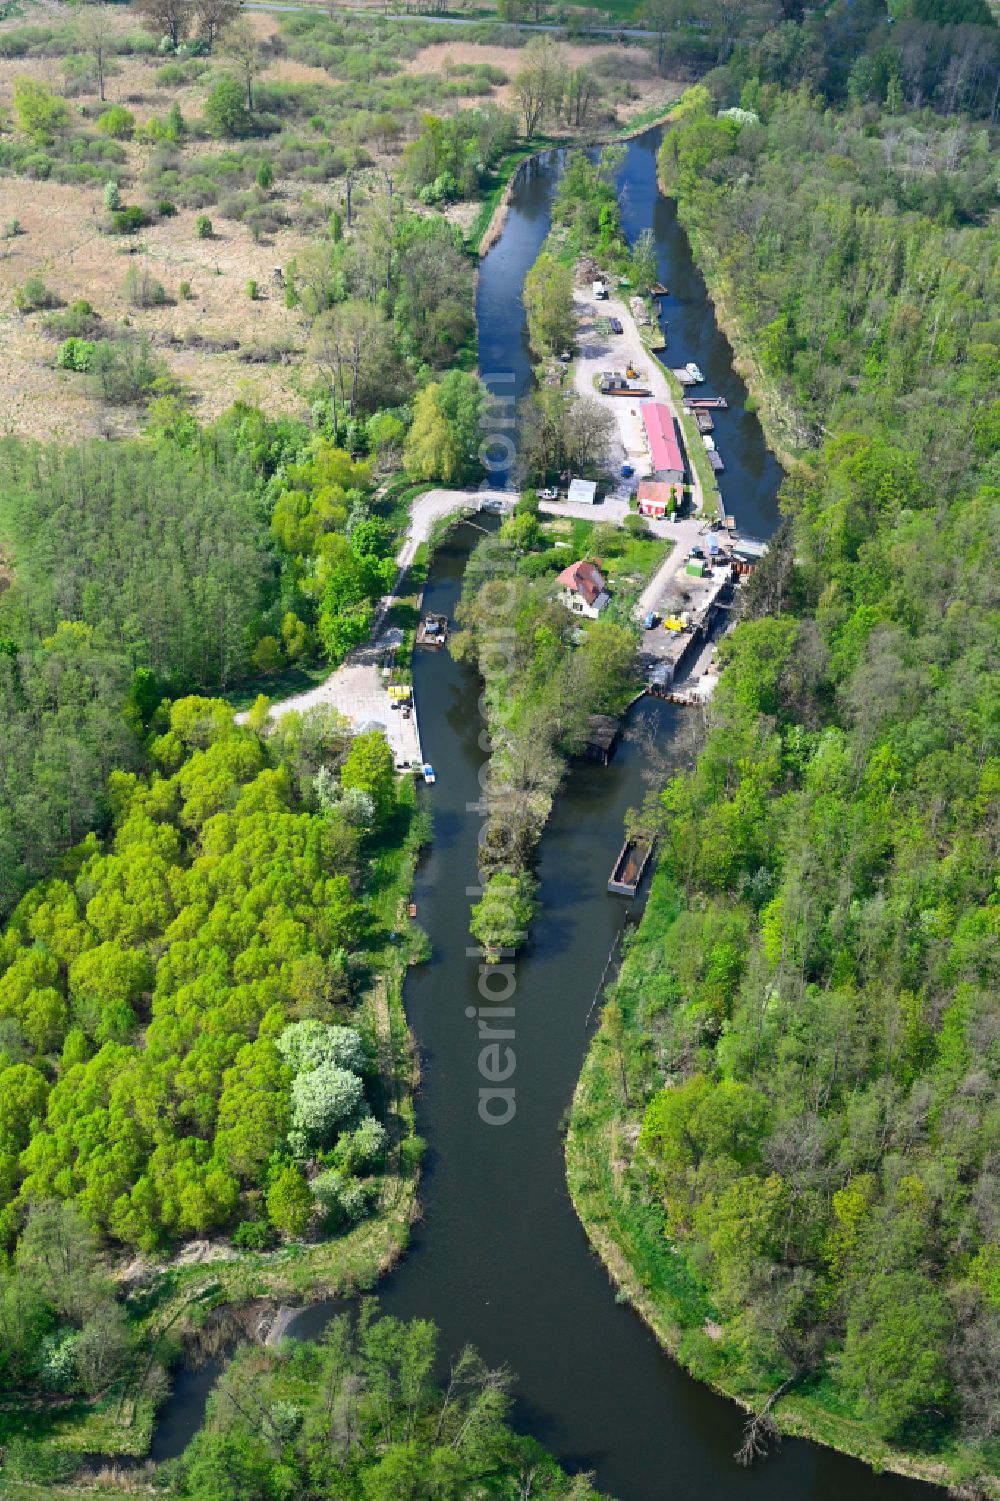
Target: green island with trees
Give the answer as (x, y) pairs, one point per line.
(783, 1141)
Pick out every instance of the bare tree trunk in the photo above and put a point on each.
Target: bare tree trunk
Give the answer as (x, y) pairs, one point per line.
(760, 1430)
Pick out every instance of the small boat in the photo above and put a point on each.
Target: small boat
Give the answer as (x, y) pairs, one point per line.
(428, 772)
(694, 372)
(629, 867)
(658, 289)
(684, 376)
(702, 403)
(715, 459)
(708, 442)
(411, 910)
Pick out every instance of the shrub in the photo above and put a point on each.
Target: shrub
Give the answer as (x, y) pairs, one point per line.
(203, 227)
(13, 229)
(185, 290)
(322, 1100)
(126, 372)
(127, 220)
(33, 295)
(342, 1197)
(225, 109)
(79, 321)
(265, 176)
(252, 290)
(364, 1148)
(307, 1044)
(253, 1235)
(289, 1202)
(41, 113)
(117, 122)
(166, 209)
(141, 288)
(112, 197)
(77, 354)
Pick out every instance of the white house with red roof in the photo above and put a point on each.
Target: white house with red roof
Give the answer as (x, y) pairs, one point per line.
(583, 590)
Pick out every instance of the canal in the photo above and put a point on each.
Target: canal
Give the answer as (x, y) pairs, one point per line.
(498, 1258)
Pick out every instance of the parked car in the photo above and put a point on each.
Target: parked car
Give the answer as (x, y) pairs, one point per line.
(549, 493)
(650, 621)
(696, 552)
(616, 325)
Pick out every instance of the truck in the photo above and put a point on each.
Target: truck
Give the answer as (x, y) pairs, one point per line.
(600, 291)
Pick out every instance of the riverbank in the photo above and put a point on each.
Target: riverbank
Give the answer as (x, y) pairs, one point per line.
(785, 434)
(623, 1220)
(491, 218)
(624, 1225)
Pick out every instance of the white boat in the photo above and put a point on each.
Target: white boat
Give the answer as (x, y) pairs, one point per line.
(708, 442)
(428, 771)
(694, 372)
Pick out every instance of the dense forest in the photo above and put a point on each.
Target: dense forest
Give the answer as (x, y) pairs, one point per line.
(805, 1029)
(193, 559)
(172, 1002)
(182, 1048)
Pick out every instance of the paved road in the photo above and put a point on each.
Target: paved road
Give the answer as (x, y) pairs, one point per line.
(597, 351)
(357, 688)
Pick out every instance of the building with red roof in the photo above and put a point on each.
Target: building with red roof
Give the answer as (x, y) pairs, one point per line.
(583, 589)
(664, 446)
(656, 498)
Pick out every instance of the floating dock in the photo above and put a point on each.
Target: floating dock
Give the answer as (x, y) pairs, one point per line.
(630, 866)
(432, 632)
(685, 377)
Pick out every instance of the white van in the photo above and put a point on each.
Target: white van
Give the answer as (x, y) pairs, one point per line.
(600, 291)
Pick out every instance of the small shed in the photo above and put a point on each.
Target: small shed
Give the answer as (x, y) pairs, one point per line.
(602, 737)
(583, 491)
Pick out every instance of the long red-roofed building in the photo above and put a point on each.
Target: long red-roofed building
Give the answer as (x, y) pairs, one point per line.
(664, 448)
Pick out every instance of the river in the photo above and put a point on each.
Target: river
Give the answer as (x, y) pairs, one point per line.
(499, 1258)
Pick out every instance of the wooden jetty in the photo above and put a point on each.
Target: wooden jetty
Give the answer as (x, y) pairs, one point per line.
(685, 377)
(432, 632)
(602, 737)
(629, 867)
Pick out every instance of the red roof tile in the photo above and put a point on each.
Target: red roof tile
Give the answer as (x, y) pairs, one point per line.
(664, 449)
(583, 578)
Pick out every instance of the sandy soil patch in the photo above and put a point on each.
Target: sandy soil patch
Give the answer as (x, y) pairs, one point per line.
(631, 65)
(62, 243)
